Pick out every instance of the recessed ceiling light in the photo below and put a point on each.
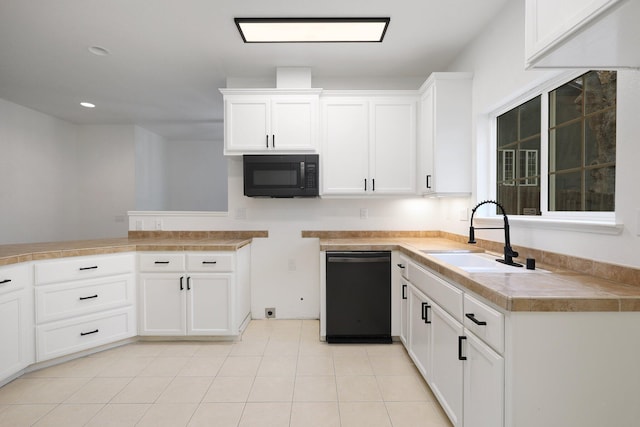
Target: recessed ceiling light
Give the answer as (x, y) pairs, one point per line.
(88, 105)
(98, 50)
(312, 30)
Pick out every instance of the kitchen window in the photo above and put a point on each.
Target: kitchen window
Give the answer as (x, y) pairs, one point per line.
(556, 151)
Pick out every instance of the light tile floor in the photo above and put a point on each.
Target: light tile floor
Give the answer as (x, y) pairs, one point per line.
(280, 374)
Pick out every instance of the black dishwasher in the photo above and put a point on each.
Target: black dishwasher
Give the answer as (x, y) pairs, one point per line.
(358, 298)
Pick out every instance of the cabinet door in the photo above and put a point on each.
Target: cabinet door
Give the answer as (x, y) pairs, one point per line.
(294, 124)
(420, 331)
(345, 137)
(162, 304)
(425, 148)
(404, 312)
(447, 368)
(209, 301)
(483, 385)
(392, 154)
(15, 333)
(247, 124)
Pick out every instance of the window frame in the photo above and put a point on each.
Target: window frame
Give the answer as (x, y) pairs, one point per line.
(541, 89)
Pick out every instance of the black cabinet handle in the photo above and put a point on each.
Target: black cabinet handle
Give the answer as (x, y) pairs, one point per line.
(425, 314)
(401, 266)
(88, 333)
(460, 356)
(273, 141)
(181, 286)
(428, 181)
(189, 283)
(5, 281)
(91, 297)
(209, 262)
(365, 184)
(472, 317)
(404, 291)
(373, 184)
(161, 262)
(267, 140)
(88, 268)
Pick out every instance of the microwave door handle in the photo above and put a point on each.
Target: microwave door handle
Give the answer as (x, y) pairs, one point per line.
(302, 175)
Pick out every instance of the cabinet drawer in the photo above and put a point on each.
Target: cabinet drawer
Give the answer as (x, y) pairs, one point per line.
(447, 296)
(162, 262)
(492, 332)
(210, 262)
(403, 267)
(82, 268)
(54, 302)
(13, 277)
(69, 336)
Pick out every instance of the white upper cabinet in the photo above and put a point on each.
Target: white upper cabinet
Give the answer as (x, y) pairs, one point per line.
(444, 135)
(582, 34)
(270, 120)
(368, 144)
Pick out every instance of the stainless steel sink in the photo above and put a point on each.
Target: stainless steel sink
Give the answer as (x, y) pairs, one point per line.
(478, 263)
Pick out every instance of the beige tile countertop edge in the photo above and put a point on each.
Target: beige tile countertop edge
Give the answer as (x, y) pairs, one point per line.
(560, 290)
(18, 253)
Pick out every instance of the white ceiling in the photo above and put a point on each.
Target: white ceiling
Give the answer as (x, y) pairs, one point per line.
(169, 57)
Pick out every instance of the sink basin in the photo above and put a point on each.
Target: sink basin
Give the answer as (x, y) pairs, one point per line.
(479, 263)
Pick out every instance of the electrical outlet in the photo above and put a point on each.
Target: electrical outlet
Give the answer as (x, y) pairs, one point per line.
(241, 213)
(292, 265)
(364, 213)
(464, 214)
(158, 224)
(270, 313)
(139, 224)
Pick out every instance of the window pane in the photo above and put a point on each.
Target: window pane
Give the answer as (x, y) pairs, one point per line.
(566, 102)
(529, 199)
(600, 138)
(528, 158)
(568, 191)
(508, 127)
(566, 147)
(600, 189)
(508, 198)
(530, 118)
(600, 90)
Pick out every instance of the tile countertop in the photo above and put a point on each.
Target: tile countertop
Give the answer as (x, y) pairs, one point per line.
(224, 241)
(560, 290)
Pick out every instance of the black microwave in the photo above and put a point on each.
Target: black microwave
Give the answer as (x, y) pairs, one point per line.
(272, 175)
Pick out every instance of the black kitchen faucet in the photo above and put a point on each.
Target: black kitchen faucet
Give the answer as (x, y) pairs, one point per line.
(509, 253)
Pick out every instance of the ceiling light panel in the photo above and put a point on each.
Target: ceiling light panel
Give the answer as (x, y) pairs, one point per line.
(312, 30)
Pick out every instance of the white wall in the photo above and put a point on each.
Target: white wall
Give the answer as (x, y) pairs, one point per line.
(497, 60)
(196, 176)
(105, 180)
(37, 176)
(150, 174)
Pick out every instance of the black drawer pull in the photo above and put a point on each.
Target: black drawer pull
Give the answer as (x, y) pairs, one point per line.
(209, 262)
(425, 312)
(181, 285)
(92, 296)
(88, 333)
(88, 268)
(404, 291)
(189, 283)
(161, 262)
(401, 266)
(472, 317)
(460, 356)
(5, 281)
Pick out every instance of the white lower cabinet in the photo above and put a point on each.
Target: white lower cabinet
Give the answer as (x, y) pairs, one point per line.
(83, 302)
(16, 320)
(420, 331)
(462, 369)
(483, 395)
(194, 294)
(404, 299)
(446, 376)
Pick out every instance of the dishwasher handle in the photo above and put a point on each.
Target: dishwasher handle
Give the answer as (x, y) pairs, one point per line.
(356, 259)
